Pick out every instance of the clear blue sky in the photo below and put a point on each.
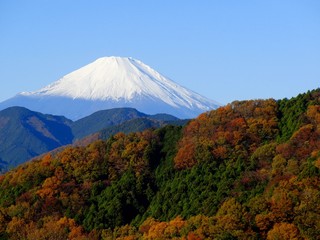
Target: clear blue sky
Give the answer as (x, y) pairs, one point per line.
(225, 50)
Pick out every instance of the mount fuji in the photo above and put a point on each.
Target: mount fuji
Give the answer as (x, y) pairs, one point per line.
(113, 82)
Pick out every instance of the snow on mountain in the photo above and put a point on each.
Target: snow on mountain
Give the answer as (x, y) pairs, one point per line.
(113, 82)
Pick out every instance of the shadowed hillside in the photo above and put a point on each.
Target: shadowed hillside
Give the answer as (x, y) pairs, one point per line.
(25, 134)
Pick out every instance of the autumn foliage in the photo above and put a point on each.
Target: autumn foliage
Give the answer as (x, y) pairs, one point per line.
(234, 130)
(248, 170)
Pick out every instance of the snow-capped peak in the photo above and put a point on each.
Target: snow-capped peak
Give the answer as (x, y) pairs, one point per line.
(121, 78)
(113, 82)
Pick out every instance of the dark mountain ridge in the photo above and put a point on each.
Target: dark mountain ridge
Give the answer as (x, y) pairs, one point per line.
(103, 119)
(25, 134)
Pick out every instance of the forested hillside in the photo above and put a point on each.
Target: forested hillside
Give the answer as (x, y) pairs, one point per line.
(249, 170)
(25, 134)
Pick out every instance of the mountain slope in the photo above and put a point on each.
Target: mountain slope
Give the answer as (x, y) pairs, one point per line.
(103, 119)
(234, 173)
(119, 119)
(139, 125)
(113, 82)
(25, 134)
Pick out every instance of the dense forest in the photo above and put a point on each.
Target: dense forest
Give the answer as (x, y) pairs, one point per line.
(248, 170)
